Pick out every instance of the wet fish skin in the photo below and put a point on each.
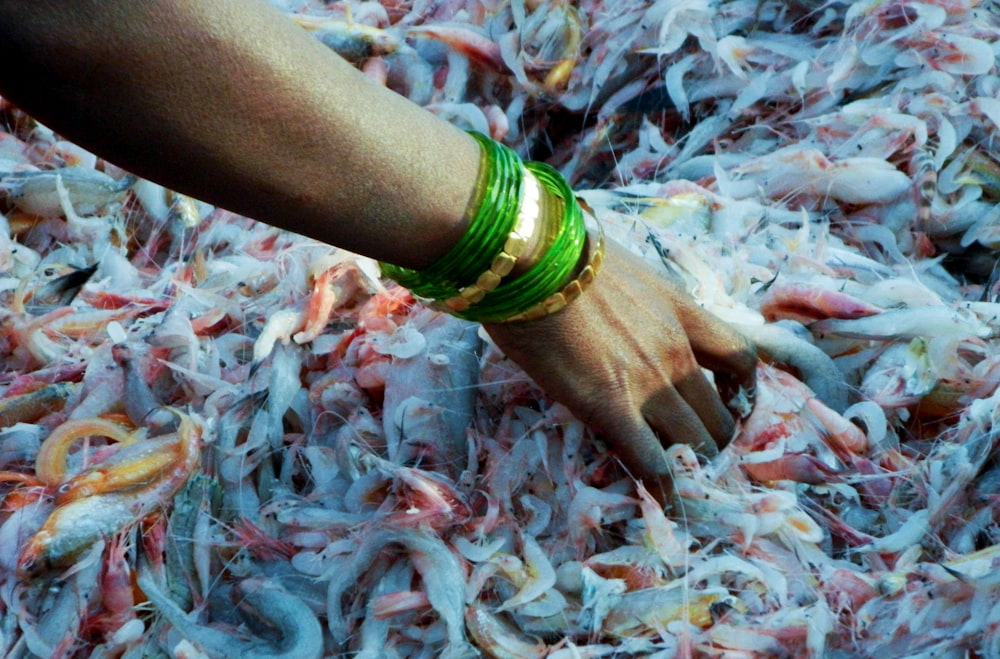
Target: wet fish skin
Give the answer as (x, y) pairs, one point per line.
(29, 407)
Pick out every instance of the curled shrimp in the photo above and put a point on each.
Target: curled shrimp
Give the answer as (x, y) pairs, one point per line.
(798, 467)
(494, 635)
(299, 633)
(474, 44)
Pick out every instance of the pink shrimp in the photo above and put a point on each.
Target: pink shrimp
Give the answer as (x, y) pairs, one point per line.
(954, 53)
(498, 122)
(377, 69)
(91, 324)
(259, 543)
(430, 499)
(117, 590)
(805, 302)
(846, 439)
(45, 339)
(383, 313)
(391, 604)
(30, 345)
(332, 288)
(590, 509)
(103, 299)
(535, 577)
(659, 531)
(798, 467)
(847, 590)
(795, 171)
(473, 44)
(841, 529)
(791, 432)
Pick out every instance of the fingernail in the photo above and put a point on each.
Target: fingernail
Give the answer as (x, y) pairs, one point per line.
(742, 402)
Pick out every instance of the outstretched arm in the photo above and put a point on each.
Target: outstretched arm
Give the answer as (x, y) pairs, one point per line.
(230, 102)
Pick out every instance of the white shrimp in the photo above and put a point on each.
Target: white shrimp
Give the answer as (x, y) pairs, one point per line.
(87, 190)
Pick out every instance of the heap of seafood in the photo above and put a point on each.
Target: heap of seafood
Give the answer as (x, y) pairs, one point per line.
(220, 439)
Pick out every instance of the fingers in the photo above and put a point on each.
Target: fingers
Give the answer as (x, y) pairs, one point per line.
(706, 402)
(641, 452)
(720, 348)
(675, 421)
(628, 357)
(737, 392)
(726, 352)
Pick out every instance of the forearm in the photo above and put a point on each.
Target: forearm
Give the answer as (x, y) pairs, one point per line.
(230, 102)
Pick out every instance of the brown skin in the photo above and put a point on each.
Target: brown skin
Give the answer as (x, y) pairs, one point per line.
(229, 102)
(626, 358)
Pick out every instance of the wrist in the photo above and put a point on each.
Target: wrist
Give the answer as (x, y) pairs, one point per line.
(588, 266)
(525, 240)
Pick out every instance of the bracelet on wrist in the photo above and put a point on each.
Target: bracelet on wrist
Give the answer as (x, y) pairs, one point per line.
(561, 244)
(570, 291)
(504, 263)
(494, 210)
(513, 205)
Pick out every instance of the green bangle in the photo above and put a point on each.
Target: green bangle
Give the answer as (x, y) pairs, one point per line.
(511, 197)
(570, 291)
(496, 200)
(503, 263)
(563, 243)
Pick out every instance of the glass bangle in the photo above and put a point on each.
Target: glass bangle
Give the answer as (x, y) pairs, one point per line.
(528, 217)
(496, 200)
(563, 244)
(570, 291)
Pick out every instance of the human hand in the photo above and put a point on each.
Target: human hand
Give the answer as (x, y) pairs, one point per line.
(626, 357)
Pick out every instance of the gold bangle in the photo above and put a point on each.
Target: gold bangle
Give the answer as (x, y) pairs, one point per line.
(503, 263)
(570, 291)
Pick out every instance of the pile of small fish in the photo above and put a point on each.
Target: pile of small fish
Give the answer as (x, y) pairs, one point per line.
(218, 439)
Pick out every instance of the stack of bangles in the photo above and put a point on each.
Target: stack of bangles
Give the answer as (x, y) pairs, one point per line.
(514, 201)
